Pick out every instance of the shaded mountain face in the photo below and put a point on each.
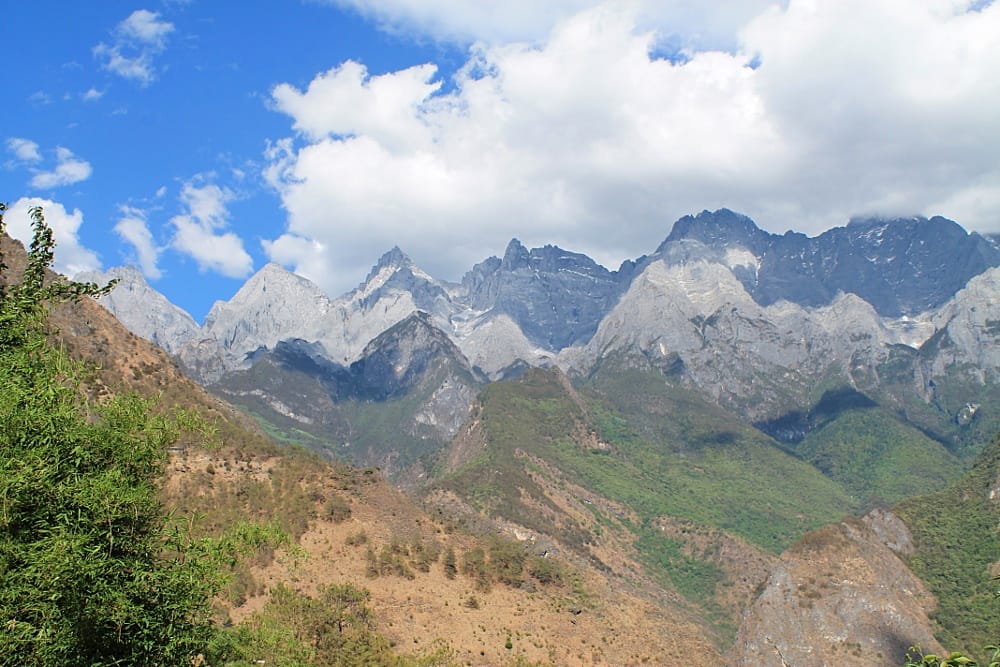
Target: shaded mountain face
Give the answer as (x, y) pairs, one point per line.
(407, 396)
(556, 297)
(902, 266)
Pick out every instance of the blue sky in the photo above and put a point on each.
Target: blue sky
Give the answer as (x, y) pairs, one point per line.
(200, 140)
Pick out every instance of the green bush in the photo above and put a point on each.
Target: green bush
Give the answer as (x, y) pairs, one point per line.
(91, 569)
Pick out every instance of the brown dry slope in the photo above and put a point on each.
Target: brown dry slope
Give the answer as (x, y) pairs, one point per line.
(396, 551)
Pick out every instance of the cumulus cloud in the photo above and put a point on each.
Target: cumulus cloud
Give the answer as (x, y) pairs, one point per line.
(133, 228)
(201, 232)
(92, 95)
(586, 138)
(69, 169)
(24, 150)
(71, 257)
(136, 41)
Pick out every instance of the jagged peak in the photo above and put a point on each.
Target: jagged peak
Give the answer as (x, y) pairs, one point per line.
(416, 322)
(274, 274)
(390, 262)
(395, 258)
(128, 272)
(515, 256)
(714, 227)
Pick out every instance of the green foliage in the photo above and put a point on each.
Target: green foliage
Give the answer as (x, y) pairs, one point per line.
(676, 455)
(696, 576)
(953, 659)
(878, 458)
(956, 543)
(91, 570)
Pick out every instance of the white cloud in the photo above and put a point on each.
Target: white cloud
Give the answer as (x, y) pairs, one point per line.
(137, 40)
(92, 95)
(69, 169)
(822, 110)
(133, 228)
(24, 149)
(571, 143)
(678, 23)
(200, 233)
(145, 27)
(71, 257)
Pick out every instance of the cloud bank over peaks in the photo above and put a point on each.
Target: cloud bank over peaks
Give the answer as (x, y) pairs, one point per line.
(696, 25)
(585, 137)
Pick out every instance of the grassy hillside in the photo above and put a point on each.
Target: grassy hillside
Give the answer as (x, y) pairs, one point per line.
(371, 579)
(958, 553)
(877, 458)
(650, 467)
(691, 459)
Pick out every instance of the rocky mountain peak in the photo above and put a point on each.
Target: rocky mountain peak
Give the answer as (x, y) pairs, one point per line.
(143, 310)
(721, 228)
(555, 296)
(271, 303)
(392, 259)
(399, 356)
(516, 256)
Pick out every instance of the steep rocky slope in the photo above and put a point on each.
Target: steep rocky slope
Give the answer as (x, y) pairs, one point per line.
(842, 595)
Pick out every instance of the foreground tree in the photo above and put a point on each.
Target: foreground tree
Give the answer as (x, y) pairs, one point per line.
(91, 570)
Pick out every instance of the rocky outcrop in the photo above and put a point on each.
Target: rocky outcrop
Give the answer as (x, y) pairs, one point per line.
(968, 331)
(840, 596)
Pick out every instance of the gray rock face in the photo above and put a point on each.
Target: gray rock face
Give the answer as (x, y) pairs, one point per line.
(556, 297)
(840, 596)
(273, 305)
(695, 318)
(903, 266)
(399, 357)
(968, 331)
(143, 310)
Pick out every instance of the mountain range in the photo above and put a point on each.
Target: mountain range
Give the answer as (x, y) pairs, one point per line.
(902, 311)
(703, 418)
